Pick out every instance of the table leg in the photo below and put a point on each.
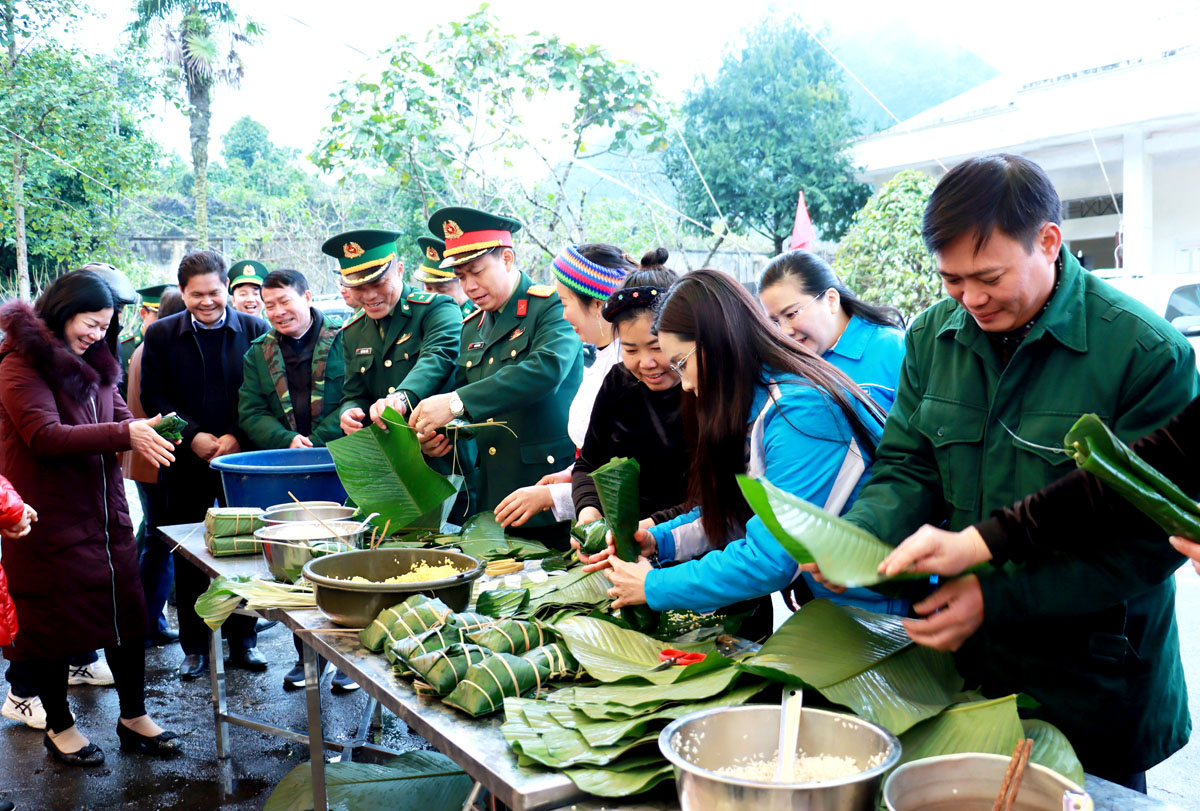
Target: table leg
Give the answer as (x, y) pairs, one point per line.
(469, 805)
(316, 733)
(216, 671)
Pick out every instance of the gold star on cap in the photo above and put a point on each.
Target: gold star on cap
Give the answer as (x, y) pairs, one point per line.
(352, 249)
(430, 253)
(450, 230)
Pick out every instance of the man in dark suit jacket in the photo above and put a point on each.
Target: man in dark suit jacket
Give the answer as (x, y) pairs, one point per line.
(192, 365)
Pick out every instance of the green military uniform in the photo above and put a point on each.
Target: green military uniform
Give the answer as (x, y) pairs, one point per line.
(265, 409)
(151, 297)
(411, 351)
(1092, 638)
(521, 366)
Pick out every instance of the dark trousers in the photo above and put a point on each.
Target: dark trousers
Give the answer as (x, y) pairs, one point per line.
(191, 490)
(128, 663)
(22, 677)
(157, 566)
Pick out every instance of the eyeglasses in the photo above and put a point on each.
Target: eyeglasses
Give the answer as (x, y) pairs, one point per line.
(678, 366)
(815, 299)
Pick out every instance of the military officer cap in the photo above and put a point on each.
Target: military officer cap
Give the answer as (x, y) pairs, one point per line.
(430, 271)
(247, 271)
(470, 233)
(364, 255)
(152, 295)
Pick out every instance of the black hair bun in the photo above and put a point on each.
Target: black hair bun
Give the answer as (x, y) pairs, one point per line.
(655, 258)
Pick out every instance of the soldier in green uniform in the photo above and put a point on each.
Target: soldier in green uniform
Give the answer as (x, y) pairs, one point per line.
(245, 286)
(151, 297)
(520, 363)
(437, 279)
(402, 346)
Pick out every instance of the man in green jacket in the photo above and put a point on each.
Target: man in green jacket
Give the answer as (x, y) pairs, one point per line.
(993, 378)
(292, 380)
(520, 364)
(402, 346)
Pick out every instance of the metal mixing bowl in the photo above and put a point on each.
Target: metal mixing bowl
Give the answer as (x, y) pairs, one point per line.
(283, 515)
(355, 605)
(287, 505)
(699, 744)
(971, 781)
(287, 561)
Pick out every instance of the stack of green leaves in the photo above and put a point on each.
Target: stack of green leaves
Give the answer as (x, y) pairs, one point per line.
(230, 530)
(617, 487)
(577, 589)
(171, 427)
(485, 685)
(866, 662)
(511, 636)
(483, 537)
(414, 616)
(443, 669)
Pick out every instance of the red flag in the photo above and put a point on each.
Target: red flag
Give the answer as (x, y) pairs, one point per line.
(803, 234)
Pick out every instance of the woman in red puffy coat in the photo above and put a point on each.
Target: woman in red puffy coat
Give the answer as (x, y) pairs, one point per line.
(16, 517)
(74, 578)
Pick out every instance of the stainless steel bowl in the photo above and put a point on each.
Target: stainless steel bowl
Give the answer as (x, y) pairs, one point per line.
(355, 605)
(286, 561)
(970, 781)
(290, 504)
(283, 515)
(699, 744)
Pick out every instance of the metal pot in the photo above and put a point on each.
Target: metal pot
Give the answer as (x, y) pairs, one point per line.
(286, 560)
(287, 505)
(355, 605)
(291, 514)
(699, 744)
(971, 781)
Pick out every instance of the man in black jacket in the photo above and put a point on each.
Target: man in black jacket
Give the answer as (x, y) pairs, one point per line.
(192, 365)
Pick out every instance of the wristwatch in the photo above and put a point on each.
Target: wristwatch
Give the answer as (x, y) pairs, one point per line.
(456, 405)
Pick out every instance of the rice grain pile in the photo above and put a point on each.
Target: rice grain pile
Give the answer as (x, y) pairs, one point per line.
(808, 769)
(419, 573)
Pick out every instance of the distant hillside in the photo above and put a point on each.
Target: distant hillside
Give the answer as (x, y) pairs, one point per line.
(909, 71)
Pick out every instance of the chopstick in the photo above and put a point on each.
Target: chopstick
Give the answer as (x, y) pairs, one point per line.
(313, 515)
(1013, 775)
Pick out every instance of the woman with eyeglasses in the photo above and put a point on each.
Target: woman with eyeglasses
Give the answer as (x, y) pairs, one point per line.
(805, 298)
(764, 405)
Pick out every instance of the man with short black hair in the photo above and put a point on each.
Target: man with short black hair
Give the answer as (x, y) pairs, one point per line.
(993, 378)
(192, 365)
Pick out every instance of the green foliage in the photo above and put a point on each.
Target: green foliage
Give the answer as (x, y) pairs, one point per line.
(77, 120)
(773, 122)
(414, 781)
(248, 141)
(882, 258)
(446, 118)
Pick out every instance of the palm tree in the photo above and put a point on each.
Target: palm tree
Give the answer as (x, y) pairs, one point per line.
(200, 40)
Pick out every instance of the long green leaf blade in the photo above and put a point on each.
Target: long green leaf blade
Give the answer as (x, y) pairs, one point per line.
(414, 781)
(617, 487)
(1052, 749)
(982, 726)
(610, 653)
(384, 472)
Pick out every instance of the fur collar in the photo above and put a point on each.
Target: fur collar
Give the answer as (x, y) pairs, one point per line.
(79, 376)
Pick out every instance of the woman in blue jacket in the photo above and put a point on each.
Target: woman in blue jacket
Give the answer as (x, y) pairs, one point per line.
(806, 299)
(758, 396)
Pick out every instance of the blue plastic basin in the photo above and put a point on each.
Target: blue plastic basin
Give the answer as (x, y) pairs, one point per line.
(262, 478)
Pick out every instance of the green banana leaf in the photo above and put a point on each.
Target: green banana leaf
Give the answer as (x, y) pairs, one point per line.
(1052, 749)
(591, 536)
(626, 700)
(610, 653)
(444, 669)
(442, 636)
(574, 589)
(554, 661)
(483, 537)
(617, 487)
(416, 615)
(486, 684)
(414, 781)
(861, 660)
(385, 472)
(219, 601)
(1099, 451)
(502, 602)
(631, 776)
(171, 427)
(511, 636)
(531, 731)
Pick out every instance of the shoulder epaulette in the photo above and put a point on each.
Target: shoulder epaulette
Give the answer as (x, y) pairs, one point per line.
(129, 338)
(357, 317)
(472, 315)
(540, 290)
(421, 298)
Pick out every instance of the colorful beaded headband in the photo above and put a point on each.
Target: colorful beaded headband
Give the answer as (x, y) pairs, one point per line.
(630, 298)
(584, 276)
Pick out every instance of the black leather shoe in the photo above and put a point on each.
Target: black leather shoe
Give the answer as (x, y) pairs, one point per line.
(90, 755)
(262, 626)
(194, 666)
(164, 743)
(247, 659)
(158, 638)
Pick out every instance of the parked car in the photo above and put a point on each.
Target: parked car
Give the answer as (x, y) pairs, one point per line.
(1174, 296)
(334, 306)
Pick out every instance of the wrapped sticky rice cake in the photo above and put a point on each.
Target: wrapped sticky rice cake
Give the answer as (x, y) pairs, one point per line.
(231, 522)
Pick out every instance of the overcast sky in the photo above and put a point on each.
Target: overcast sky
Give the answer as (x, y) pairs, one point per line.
(312, 46)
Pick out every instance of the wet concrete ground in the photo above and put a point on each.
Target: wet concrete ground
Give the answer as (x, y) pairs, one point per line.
(32, 779)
